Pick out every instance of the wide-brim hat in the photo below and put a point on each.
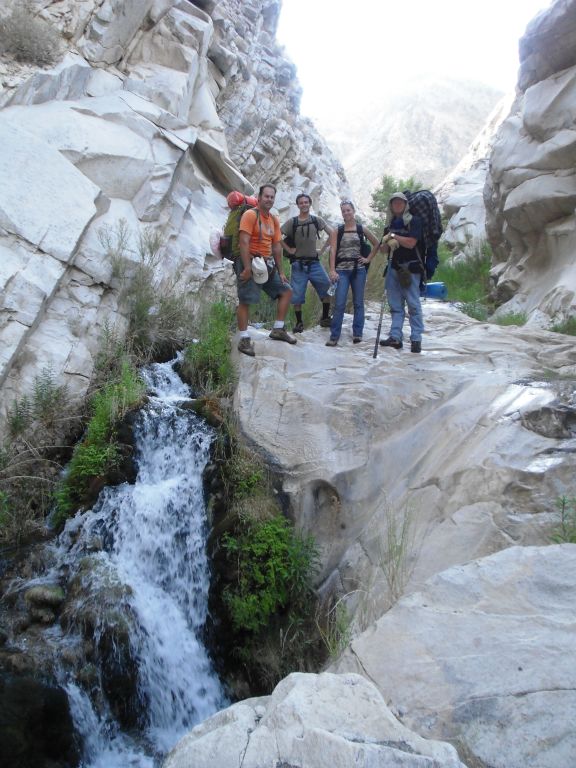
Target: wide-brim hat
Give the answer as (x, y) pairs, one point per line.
(259, 270)
(398, 196)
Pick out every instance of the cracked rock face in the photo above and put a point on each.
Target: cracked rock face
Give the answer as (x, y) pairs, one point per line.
(482, 656)
(310, 720)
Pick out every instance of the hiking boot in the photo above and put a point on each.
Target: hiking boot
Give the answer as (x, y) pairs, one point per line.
(246, 347)
(298, 328)
(280, 334)
(356, 339)
(325, 322)
(332, 342)
(415, 346)
(390, 342)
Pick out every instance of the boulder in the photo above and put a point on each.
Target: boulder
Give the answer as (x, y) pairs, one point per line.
(36, 727)
(482, 656)
(549, 44)
(310, 721)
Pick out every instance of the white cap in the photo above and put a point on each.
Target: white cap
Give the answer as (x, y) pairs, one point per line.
(259, 270)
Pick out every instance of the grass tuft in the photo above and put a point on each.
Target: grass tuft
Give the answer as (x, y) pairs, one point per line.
(567, 326)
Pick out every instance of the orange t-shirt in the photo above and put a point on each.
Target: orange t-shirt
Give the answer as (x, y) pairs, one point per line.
(264, 230)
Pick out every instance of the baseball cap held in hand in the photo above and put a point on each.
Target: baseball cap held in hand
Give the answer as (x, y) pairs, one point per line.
(259, 270)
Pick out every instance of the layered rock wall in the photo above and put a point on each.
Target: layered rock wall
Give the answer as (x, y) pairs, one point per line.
(530, 192)
(154, 111)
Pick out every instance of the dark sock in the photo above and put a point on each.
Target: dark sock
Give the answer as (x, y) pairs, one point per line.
(325, 310)
(298, 313)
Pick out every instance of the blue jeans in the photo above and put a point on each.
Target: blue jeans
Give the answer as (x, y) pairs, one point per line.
(355, 279)
(301, 274)
(397, 298)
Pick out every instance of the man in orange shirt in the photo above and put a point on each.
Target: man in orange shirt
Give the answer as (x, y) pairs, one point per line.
(260, 236)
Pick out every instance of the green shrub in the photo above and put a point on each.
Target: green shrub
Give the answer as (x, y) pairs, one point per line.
(35, 424)
(31, 414)
(158, 308)
(207, 364)
(97, 453)
(28, 38)
(274, 570)
(567, 326)
(468, 281)
(566, 529)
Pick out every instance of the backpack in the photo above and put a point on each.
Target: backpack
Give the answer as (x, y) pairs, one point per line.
(230, 238)
(291, 239)
(423, 203)
(365, 247)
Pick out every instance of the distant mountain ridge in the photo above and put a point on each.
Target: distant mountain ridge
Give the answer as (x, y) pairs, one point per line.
(424, 130)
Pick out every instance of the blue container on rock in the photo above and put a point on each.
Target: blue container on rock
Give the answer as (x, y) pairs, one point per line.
(436, 291)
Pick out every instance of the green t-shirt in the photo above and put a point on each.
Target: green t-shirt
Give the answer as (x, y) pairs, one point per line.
(304, 236)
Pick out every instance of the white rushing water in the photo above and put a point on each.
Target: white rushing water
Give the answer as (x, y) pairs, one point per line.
(155, 547)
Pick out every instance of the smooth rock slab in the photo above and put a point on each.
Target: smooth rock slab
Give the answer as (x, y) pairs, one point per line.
(483, 656)
(43, 198)
(310, 721)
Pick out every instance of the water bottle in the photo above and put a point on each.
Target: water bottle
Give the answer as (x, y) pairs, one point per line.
(332, 290)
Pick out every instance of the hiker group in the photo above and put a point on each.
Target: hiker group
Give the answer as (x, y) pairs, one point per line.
(256, 242)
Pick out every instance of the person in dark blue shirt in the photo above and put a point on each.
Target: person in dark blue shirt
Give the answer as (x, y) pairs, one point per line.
(404, 271)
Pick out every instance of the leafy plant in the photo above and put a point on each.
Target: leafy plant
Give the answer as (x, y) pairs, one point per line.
(274, 569)
(19, 417)
(566, 529)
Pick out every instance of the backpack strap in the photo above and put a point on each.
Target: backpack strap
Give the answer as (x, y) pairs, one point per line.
(339, 237)
(315, 222)
(296, 224)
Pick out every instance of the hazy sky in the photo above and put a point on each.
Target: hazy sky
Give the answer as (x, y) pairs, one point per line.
(359, 46)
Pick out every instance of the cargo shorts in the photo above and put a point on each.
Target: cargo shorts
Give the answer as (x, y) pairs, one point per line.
(249, 291)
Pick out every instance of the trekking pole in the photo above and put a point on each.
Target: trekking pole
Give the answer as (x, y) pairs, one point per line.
(375, 355)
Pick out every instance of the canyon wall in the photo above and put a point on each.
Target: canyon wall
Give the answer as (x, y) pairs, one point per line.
(150, 113)
(517, 186)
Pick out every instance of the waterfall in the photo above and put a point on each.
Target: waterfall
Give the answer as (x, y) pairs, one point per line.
(153, 543)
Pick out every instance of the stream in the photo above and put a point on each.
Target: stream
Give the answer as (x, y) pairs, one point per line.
(147, 542)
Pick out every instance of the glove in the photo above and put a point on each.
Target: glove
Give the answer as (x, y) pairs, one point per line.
(393, 244)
